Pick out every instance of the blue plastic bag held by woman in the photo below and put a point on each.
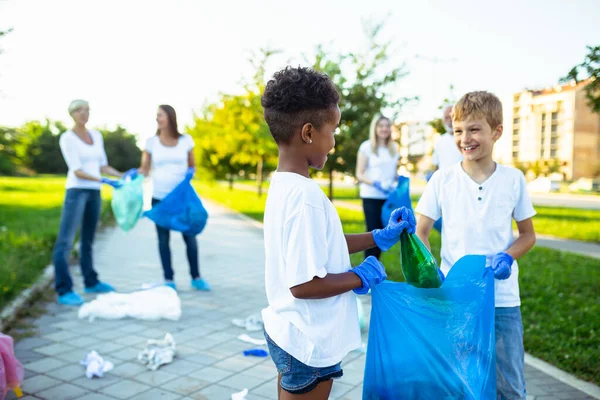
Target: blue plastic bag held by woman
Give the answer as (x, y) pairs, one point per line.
(429, 344)
(181, 210)
(127, 202)
(398, 198)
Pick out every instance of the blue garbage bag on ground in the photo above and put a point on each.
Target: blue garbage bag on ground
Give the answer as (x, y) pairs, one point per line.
(181, 210)
(127, 203)
(398, 198)
(427, 344)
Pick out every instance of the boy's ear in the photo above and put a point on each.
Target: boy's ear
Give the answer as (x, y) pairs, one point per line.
(497, 134)
(307, 132)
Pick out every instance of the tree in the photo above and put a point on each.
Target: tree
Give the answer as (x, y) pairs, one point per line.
(4, 33)
(590, 67)
(8, 152)
(121, 148)
(364, 94)
(232, 136)
(40, 147)
(438, 125)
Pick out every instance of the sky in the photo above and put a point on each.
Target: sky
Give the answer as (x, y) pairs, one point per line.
(127, 56)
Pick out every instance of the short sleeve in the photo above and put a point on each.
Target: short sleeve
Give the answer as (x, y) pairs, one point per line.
(189, 142)
(365, 148)
(305, 238)
(68, 147)
(103, 158)
(150, 145)
(429, 203)
(523, 207)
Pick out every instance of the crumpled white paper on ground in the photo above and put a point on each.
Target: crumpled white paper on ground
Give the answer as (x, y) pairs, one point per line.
(158, 352)
(96, 365)
(153, 304)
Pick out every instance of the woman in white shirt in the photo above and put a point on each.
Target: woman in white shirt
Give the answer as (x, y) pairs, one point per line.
(376, 171)
(83, 151)
(171, 157)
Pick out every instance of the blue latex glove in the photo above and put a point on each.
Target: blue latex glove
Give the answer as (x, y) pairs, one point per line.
(371, 272)
(112, 182)
(377, 185)
(131, 174)
(502, 265)
(402, 218)
(190, 173)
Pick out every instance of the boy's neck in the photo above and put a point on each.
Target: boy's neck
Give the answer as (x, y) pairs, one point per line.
(479, 170)
(289, 161)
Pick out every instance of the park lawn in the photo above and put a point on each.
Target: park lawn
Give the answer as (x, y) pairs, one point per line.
(560, 292)
(30, 210)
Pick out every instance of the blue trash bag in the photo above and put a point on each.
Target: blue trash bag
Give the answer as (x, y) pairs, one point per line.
(181, 210)
(437, 225)
(429, 344)
(398, 198)
(127, 203)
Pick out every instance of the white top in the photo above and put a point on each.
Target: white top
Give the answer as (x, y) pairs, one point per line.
(169, 164)
(82, 156)
(445, 152)
(478, 218)
(304, 239)
(382, 167)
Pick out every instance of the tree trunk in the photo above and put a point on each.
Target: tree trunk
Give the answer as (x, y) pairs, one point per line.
(330, 183)
(230, 181)
(259, 175)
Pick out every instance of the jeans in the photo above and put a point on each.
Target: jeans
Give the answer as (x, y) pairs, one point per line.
(165, 251)
(81, 208)
(372, 209)
(510, 354)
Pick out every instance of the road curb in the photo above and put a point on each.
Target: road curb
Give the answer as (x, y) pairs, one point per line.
(12, 310)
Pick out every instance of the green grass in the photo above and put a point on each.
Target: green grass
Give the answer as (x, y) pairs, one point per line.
(30, 210)
(560, 292)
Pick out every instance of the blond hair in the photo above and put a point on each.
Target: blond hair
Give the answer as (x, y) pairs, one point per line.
(479, 105)
(77, 104)
(389, 143)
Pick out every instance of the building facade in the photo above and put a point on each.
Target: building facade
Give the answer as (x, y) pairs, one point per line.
(554, 128)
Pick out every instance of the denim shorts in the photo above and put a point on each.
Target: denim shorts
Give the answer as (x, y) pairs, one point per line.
(296, 377)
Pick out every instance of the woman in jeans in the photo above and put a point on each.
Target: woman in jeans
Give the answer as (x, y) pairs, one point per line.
(171, 156)
(83, 151)
(376, 171)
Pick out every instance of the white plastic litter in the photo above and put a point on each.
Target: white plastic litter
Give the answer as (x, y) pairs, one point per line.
(240, 395)
(158, 352)
(252, 324)
(250, 339)
(96, 365)
(152, 305)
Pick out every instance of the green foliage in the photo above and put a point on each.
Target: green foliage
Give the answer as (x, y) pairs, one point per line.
(8, 152)
(590, 69)
(121, 148)
(438, 125)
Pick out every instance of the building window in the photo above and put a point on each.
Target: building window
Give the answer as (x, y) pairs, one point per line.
(516, 121)
(515, 154)
(515, 143)
(554, 116)
(554, 141)
(516, 111)
(554, 128)
(553, 153)
(515, 132)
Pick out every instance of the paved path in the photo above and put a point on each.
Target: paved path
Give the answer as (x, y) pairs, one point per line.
(209, 364)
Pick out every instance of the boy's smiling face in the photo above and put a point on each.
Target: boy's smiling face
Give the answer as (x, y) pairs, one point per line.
(323, 139)
(475, 138)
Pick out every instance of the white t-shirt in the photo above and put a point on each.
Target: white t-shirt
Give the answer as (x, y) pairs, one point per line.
(445, 152)
(382, 167)
(82, 156)
(304, 239)
(169, 164)
(478, 218)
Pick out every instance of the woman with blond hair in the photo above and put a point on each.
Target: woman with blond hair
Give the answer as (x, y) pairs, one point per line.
(83, 151)
(376, 171)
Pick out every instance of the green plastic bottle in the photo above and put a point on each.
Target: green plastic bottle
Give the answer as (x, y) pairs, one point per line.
(418, 264)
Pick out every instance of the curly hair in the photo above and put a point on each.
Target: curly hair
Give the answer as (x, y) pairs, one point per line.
(294, 97)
